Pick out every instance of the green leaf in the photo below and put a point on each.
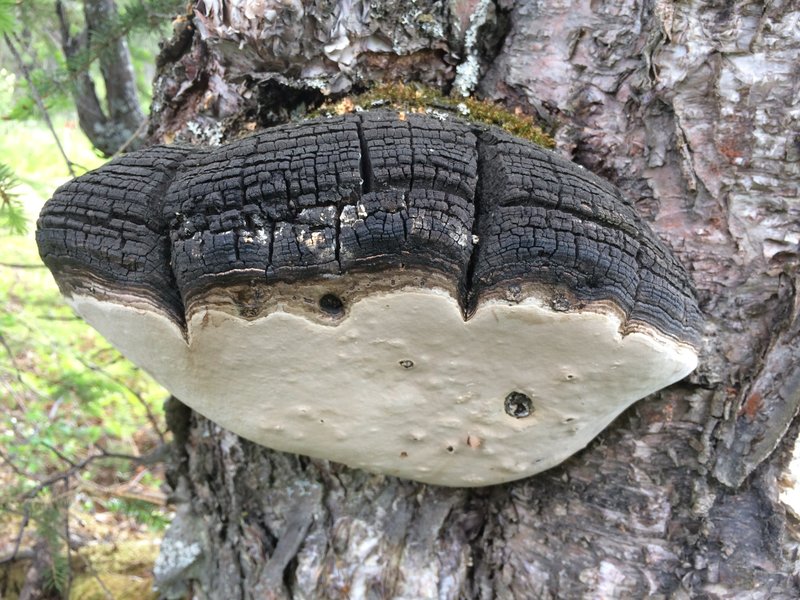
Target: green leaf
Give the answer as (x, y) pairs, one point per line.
(7, 17)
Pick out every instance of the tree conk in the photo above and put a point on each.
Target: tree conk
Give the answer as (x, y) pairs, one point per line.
(423, 298)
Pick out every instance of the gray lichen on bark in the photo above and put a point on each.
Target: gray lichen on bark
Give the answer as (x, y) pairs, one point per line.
(263, 62)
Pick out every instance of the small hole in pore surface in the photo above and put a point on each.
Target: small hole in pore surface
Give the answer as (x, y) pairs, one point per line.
(332, 305)
(450, 449)
(407, 364)
(518, 405)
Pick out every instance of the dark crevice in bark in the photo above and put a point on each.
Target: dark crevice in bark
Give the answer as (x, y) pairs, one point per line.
(240, 558)
(180, 44)
(480, 538)
(290, 202)
(365, 166)
(289, 576)
(338, 234)
(179, 421)
(279, 103)
(269, 539)
(413, 156)
(469, 299)
(271, 249)
(165, 238)
(492, 34)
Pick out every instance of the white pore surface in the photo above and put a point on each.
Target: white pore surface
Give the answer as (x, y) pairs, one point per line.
(340, 392)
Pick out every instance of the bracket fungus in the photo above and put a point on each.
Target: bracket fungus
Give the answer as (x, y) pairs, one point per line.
(420, 297)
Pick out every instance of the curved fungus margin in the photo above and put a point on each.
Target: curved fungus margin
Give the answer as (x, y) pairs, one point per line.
(380, 291)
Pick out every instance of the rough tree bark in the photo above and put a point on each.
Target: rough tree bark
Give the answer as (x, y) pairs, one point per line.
(692, 108)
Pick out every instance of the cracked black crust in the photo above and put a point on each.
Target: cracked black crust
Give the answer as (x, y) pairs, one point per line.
(491, 215)
(547, 220)
(106, 229)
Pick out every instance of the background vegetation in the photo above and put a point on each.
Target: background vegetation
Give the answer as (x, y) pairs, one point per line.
(81, 429)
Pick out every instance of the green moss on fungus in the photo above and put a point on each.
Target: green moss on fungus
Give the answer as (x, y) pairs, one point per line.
(418, 98)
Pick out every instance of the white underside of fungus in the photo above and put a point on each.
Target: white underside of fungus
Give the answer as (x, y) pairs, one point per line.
(403, 385)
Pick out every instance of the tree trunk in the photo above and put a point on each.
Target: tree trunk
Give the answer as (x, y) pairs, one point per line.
(118, 126)
(691, 108)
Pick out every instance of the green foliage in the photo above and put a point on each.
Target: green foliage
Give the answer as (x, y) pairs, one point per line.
(67, 388)
(142, 22)
(12, 217)
(49, 520)
(7, 16)
(143, 512)
(66, 395)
